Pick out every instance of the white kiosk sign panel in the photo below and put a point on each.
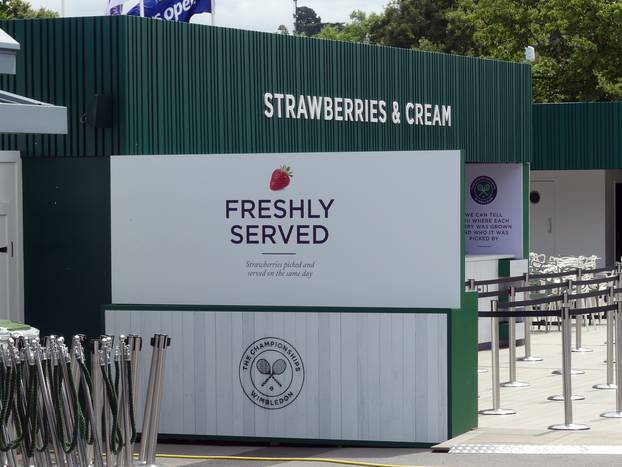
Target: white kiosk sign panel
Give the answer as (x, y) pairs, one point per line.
(373, 230)
(339, 230)
(494, 209)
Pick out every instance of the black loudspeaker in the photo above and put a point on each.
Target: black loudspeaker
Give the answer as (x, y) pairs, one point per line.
(101, 112)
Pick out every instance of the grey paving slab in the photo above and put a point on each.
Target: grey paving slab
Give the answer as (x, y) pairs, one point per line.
(534, 412)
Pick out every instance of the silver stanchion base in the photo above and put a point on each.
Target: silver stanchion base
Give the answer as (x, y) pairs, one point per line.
(497, 412)
(605, 386)
(572, 372)
(571, 427)
(482, 370)
(611, 414)
(530, 359)
(582, 349)
(514, 384)
(560, 398)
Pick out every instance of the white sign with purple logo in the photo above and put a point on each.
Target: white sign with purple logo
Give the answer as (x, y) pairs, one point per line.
(494, 209)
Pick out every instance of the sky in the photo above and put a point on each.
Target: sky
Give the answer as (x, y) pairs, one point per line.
(264, 15)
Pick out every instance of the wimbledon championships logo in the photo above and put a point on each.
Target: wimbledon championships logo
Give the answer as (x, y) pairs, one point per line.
(271, 373)
(483, 190)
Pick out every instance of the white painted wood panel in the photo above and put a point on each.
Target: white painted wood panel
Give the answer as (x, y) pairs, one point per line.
(367, 376)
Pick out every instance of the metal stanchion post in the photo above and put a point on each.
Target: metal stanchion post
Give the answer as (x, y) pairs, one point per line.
(48, 407)
(7, 430)
(147, 417)
(527, 323)
(579, 320)
(471, 288)
(618, 412)
(97, 396)
(162, 342)
(80, 456)
(494, 347)
(609, 384)
(566, 365)
(572, 372)
(104, 363)
(95, 457)
(513, 383)
(126, 456)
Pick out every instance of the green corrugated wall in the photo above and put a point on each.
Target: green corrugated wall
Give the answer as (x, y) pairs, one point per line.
(66, 62)
(184, 88)
(577, 136)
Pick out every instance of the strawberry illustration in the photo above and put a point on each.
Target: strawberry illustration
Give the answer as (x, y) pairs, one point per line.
(281, 178)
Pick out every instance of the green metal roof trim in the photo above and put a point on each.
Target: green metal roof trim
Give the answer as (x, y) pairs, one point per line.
(185, 88)
(577, 136)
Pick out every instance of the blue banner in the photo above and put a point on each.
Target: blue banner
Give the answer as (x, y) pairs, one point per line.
(173, 10)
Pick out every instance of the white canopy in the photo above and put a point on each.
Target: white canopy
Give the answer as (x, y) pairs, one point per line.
(20, 114)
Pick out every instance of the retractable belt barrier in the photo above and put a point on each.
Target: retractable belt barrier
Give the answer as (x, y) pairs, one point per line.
(570, 307)
(56, 411)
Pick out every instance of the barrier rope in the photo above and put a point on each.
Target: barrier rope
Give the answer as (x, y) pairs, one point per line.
(532, 302)
(9, 407)
(116, 438)
(130, 397)
(500, 280)
(542, 313)
(68, 445)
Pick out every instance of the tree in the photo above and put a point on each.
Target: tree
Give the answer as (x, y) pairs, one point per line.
(282, 29)
(357, 30)
(577, 43)
(18, 9)
(422, 24)
(307, 22)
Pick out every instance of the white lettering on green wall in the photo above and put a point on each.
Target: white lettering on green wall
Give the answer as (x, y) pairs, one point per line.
(345, 109)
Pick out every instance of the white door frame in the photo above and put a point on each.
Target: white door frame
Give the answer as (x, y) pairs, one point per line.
(552, 220)
(14, 158)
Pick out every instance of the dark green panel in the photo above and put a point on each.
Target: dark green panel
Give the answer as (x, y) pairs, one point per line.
(198, 89)
(67, 243)
(579, 136)
(188, 88)
(462, 366)
(66, 62)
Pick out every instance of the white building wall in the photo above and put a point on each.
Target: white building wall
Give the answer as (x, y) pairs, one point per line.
(578, 220)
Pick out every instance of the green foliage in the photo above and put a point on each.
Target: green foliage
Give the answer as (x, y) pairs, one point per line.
(307, 22)
(357, 30)
(578, 42)
(19, 9)
(422, 24)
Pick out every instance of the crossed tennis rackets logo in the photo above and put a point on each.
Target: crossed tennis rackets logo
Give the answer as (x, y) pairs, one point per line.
(276, 369)
(271, 373)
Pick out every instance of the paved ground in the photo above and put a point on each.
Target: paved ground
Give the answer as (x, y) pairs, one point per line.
(535, 412)
(527, 427)
(401, 457)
